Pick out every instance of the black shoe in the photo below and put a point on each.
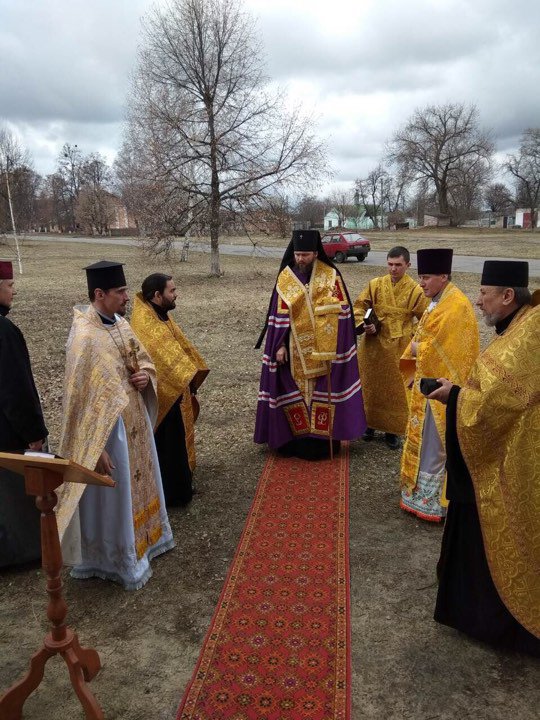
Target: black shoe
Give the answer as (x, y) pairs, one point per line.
(369, 434)
(392, 441)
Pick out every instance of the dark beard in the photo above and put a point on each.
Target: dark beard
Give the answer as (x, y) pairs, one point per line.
(306, 269)
(168, 305)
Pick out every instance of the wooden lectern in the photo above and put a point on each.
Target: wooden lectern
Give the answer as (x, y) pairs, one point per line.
(43, 474)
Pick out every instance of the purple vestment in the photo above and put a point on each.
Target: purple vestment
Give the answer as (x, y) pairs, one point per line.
(278, 390)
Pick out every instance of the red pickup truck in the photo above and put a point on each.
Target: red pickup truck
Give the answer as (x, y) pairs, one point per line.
(342, 245)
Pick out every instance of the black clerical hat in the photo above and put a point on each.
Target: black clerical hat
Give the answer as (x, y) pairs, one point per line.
(506, 273)
(435, 261)
(306, 240)
(105, 275)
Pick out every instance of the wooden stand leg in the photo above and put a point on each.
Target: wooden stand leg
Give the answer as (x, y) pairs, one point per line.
(83, 664)
(11, 704)
(79, 672)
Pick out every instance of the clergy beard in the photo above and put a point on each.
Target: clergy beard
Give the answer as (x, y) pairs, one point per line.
(168, 305)
(305, 268)
(491, 319)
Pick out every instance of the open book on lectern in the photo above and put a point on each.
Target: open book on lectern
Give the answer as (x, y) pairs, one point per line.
(70, 471)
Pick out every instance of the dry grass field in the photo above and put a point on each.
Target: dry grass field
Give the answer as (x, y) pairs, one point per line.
(404, 665)
(465, 241)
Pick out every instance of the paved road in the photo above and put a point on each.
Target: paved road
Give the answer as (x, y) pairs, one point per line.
(461, 263)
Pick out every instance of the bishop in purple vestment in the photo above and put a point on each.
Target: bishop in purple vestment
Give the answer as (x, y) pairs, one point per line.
(310, 340)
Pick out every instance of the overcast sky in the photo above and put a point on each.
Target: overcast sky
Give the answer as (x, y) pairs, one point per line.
(362, 65)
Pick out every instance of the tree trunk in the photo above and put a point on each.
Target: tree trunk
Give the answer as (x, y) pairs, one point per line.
(185, 249)
(215, 202)
(442, 196)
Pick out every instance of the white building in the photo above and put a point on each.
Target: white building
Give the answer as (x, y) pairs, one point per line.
(523, 217)
(359, 222)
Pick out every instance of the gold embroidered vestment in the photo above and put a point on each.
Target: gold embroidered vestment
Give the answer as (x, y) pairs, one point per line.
(97, 392)
(448, 343)
(313, 312)
(179, 366)
(397, 305)
(498, 425)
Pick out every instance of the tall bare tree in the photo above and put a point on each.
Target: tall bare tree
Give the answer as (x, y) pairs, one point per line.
(341, 200)
(203, 125)
(94, 207)
(525, 169)
(69, 171)
(374, 192)
(445, 145)
(17, 181)
(310, 210)
(498, 198)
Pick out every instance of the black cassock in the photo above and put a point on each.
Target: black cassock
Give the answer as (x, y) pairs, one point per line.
(467, 599)
(170, 437)
(21, 422)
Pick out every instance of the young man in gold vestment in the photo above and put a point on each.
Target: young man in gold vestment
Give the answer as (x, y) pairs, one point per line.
(399, 302)
(446, 343)
(109, 408)
(180, 372)
(489, 570)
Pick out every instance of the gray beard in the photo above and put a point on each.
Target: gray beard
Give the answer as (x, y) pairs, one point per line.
(491, 320)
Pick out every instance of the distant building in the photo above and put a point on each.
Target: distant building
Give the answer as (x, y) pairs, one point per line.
(436, 220)
(353, 221)
(523, 218)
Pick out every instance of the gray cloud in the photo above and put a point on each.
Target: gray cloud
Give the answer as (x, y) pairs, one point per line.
(364, 66)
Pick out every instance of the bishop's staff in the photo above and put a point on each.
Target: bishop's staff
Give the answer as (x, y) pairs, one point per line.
(330, 419)
(326, 334)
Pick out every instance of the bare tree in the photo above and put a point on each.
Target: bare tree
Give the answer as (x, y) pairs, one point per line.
(525, 169)
(466, 188)
(310, 210)
(442, 144)
(374, 192)
(16, 176)
(498, 198)
(204, 127)
(273, 217)
(69, 171)
(94, 204)
(341, 201)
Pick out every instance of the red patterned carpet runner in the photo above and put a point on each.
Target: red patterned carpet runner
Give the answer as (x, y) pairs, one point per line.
(278, 647)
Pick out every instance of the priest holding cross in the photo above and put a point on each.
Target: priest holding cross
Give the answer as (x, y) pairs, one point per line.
(110, 406)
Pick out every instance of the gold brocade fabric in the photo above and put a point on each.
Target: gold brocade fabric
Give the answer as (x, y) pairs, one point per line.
(397, 306)
(97, 392)
(498, 425)
(448, 343)
(301, 301)
(179, 365)
(326, 329)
